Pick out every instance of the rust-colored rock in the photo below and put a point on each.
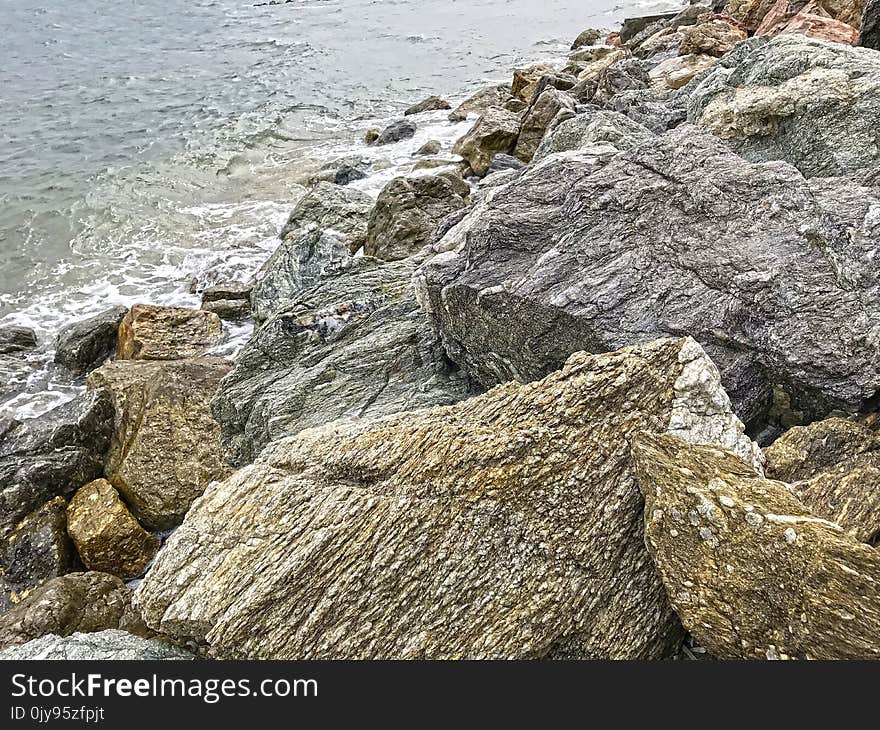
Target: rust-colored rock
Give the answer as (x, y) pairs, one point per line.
(167, 333)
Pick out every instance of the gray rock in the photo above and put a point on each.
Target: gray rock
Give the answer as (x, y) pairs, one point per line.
(54, 454)
(591, 128)
(407, 212)
(340, 171)
(586, 38)
(83, 346)
(870, 35)
(355, 345)
(560, 81)
(538, 119)
(624, 75)
(228, 291)
(658, 111)
(396, 132)
(504, 162)
(17, 339)
(632, 26)
(330, 206)
(677, 236)
(810, 102)
(495, 131)
(482, 101)
(431, 104)
(109, 645)
(431, 147)
(689, 16)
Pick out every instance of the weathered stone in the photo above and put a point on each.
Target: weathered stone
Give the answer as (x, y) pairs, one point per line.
(107, 537)
(665, 40)
(17, 339)
(431, 147)
(341, 209)
(674, 73)
(52, 455)
(102, 646)
(149, 332)
(508, 525)
(166, 445)
(232, 310)
(632, 26)
(593, 71)
(408, 210)
(479, 103)
(833, 467)
(502, 162)
(537, 120)
(74, 602)
(677, 236)
(655, 109)
(340, 171)
(526, 79)
(431, 104)
(806, 101)
(84, 345)
(624, 75)
(592, 128)
(371, 135)
(355, 345)
(37, 550)
(495, 131)
(586, 38)
(397, 132)
(715, 38)
(870, 35)
(813, 20)
(751, 573)
(691, 15)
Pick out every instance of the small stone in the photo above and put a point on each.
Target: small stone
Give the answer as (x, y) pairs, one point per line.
(396, 132)
(167, 333)
(431, 147)
(371, 135)
(432, 103)
(17, 339)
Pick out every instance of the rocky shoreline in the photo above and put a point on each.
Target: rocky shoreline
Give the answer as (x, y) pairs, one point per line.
(602, 384)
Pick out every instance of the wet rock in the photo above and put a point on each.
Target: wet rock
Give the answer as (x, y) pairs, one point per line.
(593, 128)
(479, 103)
(674, 73)
(806, 101)
(52, 455)
(15, 370)
(166, 445)
(38, 549)
(750, 571)
(502, 162)
(538, 119)
(107, 537)
(231, 310)
(396, 132)
(74, 602)
(371, 135)
(17, 339)
(677, 236)
(408, 210)
(870, 35)
(715, 38)
(508, 525)
(330, 206)
(431, 104)
(431, 147)
(833, 467)
(301, 261)
(341, 171)
(83, 346)
(586, 38)
(230, 301)
(150, 332)
(495, 131)
(526, 79)
(107, 645)
(355, 345)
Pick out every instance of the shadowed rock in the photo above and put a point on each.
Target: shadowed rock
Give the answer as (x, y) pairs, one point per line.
(84, 345)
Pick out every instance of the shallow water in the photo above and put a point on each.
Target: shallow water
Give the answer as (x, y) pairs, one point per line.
(146, 145)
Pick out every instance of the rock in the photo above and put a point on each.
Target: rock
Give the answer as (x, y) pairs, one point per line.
(84, 345)
(870, 35)
(593, 71)
(371, 135)
(715, 38)
(504, 162)
(481, 102)
(507, 526)
(632, 26)
(586, 38)
(407, 212)
(750, 13)
(495, 131)
(107, 537)
(586, 56)
(751, 573)
(677, 236)
(52, 455)
(431, 147)
(770, 16)
(436, 163)
(812, 20)
(37, 550)
(355, 345)
(232, 310)
(655, 109)
(806, 101)
(17, 339)
(592, 128)
(75, 602)
(833, 467)
(326, 206)
(674, 73)
(690, 16)
(559, 81)
(228, 291)
(302, 260)
(107, 645)
(525, 80)
(623, 75)
(15, 371)
(167, 333)
(166, 445)
(340, 171)
(396, 132)
(665, 41)
(537, 120)
(431, 104)
(647, 32)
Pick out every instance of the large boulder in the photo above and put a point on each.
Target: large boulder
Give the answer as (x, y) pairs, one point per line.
(481, 101)
(495, 131)
(833, 467)
(326, 205)
(166, 444)
(811, 20)
(525, 81)
(84, 345)
(101, 646)
(149, 332)
(355, 345)
(750, 571)
(37, 550)
(678, 236)
(594, 127)
(396, 132)
(812, 103)
(52, 455)
(74, 602)
(537, 120)
(407, 212)
(107, 537)
(507, 526)
(870, 35)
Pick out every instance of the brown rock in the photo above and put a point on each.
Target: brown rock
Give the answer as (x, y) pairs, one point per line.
(166, 445)
(496, 131)
(537, 120)
(167, 333)
(750, 571)
(371, 135)
(674, 73)
(482, 101)
(525, 80)
(107, 536)
(431, 104)
(714, 38)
